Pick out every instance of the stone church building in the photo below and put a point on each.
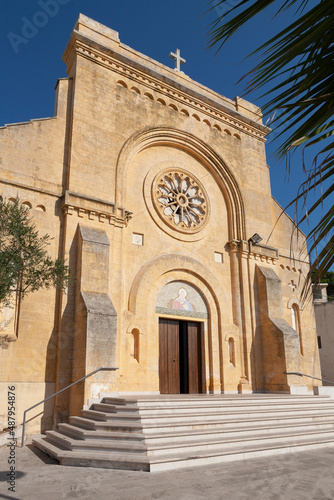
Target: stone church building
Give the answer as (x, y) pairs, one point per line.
(185, 275)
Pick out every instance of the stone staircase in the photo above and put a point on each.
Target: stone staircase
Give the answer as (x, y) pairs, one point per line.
(170, 431)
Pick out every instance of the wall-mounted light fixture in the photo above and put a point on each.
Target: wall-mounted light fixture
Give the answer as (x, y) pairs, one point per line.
(255, 239)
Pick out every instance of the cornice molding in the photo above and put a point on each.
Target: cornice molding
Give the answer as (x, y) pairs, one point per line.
(261, 253)
(95, 209)
(126, 67)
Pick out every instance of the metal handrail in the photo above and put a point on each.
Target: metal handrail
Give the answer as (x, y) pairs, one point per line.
(310, 376)
(56, 393)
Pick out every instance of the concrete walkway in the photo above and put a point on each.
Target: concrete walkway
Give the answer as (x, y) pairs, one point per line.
(300, 476)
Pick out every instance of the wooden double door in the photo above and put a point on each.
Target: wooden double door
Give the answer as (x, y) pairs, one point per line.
(180, 357)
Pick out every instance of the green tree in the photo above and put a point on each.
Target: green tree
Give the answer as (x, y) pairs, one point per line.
(297, 67)
(25, 265)
(328, 278)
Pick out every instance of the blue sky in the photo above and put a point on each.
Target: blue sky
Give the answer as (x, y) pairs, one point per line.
(34, 34)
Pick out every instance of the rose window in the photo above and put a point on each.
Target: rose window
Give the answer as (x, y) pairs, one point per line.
(180, 200)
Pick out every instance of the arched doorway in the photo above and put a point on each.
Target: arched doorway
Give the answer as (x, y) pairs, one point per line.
(182, 311)
(145, 310)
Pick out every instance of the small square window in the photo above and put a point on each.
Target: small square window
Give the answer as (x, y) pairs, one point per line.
(219, 257)
(138, 239)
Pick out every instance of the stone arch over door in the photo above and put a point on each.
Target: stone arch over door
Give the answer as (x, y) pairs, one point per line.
(183, 316)
(145, 289)
(200, 150)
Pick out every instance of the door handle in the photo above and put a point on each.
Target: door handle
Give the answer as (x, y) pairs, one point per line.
(174, 360)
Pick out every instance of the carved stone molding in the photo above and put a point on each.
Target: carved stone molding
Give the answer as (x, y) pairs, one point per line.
(95, 210)
(116, 62)
(260, 253)
(233, 246)
(295, 300)
(180, 200)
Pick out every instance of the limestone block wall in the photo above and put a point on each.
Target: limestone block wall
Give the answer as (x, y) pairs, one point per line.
(281, 349)
(27, 394)
(32, 168)
(29, 355)
(293, 268)
(33, 153)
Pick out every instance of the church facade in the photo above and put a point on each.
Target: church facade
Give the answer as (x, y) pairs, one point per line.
(156, 191)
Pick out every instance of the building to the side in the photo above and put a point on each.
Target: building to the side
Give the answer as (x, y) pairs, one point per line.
(154, 189)
(324, 317)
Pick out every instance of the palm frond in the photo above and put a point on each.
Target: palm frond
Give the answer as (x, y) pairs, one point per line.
(297, 67)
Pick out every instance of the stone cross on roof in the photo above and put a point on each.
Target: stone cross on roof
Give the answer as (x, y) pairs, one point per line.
(178, 59)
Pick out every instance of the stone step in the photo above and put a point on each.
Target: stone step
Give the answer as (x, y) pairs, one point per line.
(115, 401)
(193, 409)
(233, 423)
(162, 428)
(140, 462)
(222, 443)
(186, 436)
(88, 423)
(240, 453)
(104, 407)
(68, 443)
(179, 416)
(102, 415)
(81, 433)
(204, 399)
(138, 435)
(90, 459)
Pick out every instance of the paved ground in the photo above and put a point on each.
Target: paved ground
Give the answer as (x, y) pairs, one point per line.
(300, 476)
